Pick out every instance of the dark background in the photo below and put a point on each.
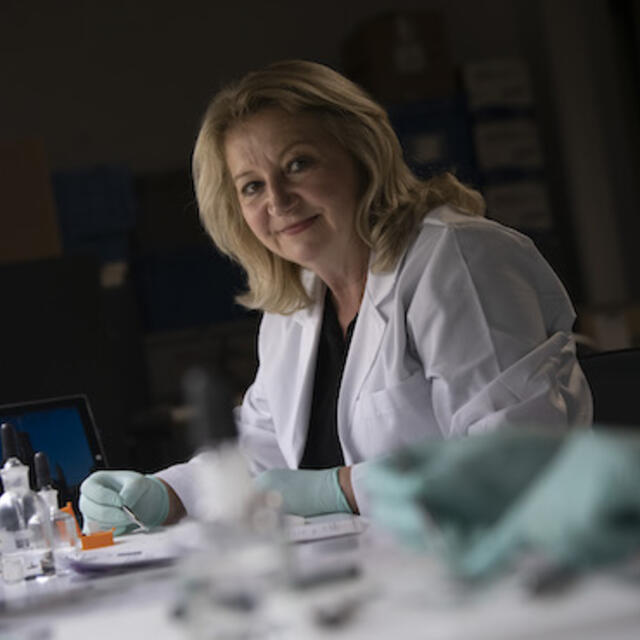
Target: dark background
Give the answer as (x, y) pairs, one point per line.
(109, 286)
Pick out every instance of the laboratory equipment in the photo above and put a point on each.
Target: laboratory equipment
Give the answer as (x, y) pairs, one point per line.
(26, 534)
(65, 537)
(64, 428)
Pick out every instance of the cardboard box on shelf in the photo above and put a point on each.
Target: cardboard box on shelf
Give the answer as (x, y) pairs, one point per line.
(497, 83)
(401, 56)
(522, 204)
(510, 143)
(28, 222)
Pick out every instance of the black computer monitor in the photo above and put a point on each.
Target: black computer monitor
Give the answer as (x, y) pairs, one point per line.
(64, 429)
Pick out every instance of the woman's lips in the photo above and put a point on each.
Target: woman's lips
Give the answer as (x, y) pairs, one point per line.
(298, 227)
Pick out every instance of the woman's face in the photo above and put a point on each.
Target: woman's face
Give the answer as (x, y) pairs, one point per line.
(297, 187)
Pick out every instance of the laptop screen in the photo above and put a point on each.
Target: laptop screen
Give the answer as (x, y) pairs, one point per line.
(64, 429)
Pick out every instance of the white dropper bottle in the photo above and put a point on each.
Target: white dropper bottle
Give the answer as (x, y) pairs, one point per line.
(65, 536)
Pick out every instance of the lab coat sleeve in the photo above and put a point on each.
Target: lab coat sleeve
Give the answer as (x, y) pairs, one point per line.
(258, 439)
(254, 419)
(492, 326)
(184, 479)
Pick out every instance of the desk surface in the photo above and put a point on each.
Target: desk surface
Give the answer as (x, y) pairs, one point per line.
(395, 595)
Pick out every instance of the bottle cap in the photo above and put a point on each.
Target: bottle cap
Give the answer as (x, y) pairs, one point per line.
(43, 471)
(9, 442)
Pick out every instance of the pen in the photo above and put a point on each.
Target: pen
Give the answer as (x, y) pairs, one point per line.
(132, 516)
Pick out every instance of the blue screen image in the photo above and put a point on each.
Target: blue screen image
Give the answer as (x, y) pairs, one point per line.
(60, 434)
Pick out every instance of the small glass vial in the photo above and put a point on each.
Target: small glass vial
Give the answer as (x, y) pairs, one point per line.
(65, 536)
(26, 534)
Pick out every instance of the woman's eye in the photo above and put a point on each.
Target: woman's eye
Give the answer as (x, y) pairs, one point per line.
(250, 188)
(298, 164)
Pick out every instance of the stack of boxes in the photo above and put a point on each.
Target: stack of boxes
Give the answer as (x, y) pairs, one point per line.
(507, 143)
(510, 160)
(478, 121)
(403, 59)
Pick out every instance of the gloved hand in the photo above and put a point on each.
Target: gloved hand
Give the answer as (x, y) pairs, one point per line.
(479, 500)
(434, 495)
(581, 511)
(305, 492)
(104, 492)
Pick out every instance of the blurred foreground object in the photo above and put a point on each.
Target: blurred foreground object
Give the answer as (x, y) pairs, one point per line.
(241, 556)
(479, 502)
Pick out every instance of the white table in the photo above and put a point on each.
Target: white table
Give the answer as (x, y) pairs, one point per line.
(396, 595)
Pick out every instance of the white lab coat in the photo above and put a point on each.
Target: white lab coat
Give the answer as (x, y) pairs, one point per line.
(470, 332)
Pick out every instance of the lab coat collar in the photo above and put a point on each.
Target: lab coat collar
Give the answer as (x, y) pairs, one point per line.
(378, 286)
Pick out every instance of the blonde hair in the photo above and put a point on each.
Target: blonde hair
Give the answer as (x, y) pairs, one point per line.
(393, 201)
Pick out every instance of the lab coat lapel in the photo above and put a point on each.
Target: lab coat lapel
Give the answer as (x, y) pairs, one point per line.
(365, 343)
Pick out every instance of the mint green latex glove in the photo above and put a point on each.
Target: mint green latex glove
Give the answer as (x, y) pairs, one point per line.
(481, 500)
(440, 492)
(305, 492)
(104, 492)
(583, 510)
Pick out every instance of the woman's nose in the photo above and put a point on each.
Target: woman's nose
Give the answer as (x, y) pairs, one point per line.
(281, 199)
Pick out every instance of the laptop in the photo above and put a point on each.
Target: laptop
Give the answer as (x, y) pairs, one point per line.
(64, 429)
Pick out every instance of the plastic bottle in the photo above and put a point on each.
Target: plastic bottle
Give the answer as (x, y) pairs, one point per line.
(65, 537)
(26, 535)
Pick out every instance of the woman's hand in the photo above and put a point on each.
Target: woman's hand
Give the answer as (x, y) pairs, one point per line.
(308, 492)
(104, 493)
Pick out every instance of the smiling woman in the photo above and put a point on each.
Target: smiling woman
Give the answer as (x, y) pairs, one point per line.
(393, 310)
(339, 115)
(298, 191)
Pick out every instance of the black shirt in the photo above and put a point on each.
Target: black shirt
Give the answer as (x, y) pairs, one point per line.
(322, 449)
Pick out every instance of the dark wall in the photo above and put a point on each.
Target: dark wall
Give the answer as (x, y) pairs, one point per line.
(123, 84)
(127, 82)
